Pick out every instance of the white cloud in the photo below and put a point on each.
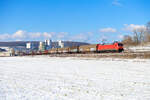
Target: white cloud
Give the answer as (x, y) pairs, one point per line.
(79, 37)
(133, 27)
(52, 33)
(82, 37)
(116, 3)
(4, 36)
(24, 35)
(34, 35)
(108, 30)
(120, 36)
(47, 35)
(90, 34)
(62, 35)
(19, 34)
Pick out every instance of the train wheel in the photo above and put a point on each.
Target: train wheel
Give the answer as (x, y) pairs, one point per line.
(120, 50)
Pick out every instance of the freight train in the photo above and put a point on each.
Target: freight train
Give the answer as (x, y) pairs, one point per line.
(93, 48)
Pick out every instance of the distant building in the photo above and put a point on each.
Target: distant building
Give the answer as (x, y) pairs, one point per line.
(41, 46)
(12, 52)
(29, 45)
(60, 44)
(48, 44)
(7, 51)
(4, 48)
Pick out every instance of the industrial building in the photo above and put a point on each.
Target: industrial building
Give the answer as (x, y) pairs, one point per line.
(45, 45)
(29, 45)
(6, 52)
(60, 44)
(41, 46)
(48, 44)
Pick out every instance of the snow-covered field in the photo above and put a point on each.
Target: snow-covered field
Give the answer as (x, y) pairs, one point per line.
(45, 78)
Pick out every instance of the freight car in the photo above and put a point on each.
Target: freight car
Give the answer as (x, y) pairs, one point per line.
(74, 49)
(45, 52)
(63, 50)
(53, 51)
(88, 48)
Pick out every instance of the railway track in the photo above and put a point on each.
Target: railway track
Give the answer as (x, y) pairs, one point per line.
(125, 54)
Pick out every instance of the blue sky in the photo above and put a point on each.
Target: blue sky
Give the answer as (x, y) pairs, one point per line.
(77, 20)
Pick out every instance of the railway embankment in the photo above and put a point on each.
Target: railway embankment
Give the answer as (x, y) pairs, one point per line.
(126, 55)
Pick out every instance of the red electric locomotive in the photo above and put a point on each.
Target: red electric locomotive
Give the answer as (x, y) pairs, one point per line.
(116, 47)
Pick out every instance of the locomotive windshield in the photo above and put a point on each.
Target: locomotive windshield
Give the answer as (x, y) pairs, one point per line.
(120, 44)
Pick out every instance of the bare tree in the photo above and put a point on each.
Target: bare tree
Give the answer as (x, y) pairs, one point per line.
(148, 26)
(127, 40)
(136, 37)
(139, 35)
(147, 35)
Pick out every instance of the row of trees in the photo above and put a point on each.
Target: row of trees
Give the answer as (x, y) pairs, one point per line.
(140, 36)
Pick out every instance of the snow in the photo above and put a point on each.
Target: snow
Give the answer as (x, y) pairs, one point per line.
(141, 48)
(50, 78)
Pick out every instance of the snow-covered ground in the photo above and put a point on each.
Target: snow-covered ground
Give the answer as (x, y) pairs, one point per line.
(141, 48)
(45, 78)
